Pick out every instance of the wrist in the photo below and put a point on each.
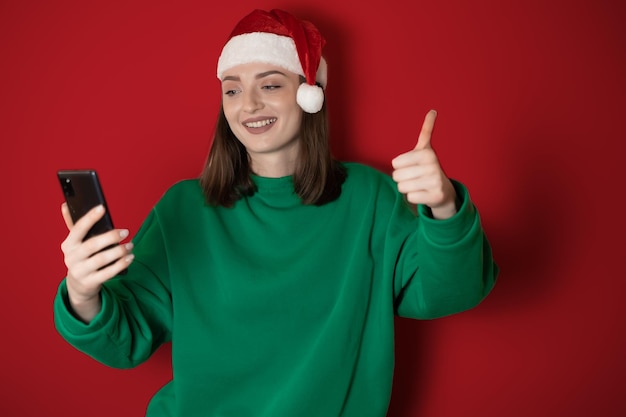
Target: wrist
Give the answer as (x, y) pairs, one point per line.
(444, 211)
(85, 309)
(449, 207)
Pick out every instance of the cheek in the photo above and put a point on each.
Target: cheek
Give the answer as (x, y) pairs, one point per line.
(296, 118)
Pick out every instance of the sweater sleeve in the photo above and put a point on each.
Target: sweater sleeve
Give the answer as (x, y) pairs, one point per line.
(444, 266)
(136, 313)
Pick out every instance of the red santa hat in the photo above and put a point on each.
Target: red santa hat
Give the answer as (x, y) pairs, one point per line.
(278, 38)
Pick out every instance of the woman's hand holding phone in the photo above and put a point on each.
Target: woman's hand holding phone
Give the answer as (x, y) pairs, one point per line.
(91, 262)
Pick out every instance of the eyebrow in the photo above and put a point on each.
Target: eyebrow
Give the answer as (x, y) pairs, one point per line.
(258, 76)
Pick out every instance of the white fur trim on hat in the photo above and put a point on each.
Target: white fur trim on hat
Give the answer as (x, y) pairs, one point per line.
(267, 48)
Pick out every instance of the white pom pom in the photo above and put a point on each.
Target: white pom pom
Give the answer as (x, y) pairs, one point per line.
(310, 98)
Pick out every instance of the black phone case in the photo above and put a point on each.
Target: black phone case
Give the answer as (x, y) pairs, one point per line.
(82, 191)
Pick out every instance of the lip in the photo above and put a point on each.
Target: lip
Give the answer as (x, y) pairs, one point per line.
(260, 129)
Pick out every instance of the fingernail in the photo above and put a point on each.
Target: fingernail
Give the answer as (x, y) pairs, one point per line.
(129, 258)
(99, 209)
(129, 246)
(123, 233)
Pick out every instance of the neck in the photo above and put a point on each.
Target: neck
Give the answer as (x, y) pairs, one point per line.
(274, 164)
(272, 169)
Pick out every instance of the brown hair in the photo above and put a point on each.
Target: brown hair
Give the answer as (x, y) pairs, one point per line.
(317, 178)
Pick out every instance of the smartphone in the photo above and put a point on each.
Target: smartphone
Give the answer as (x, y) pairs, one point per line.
(82, 191)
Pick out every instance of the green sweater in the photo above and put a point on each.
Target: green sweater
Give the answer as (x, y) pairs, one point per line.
(279, 309)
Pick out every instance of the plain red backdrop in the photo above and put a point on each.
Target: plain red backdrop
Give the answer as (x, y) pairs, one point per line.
(531, 98)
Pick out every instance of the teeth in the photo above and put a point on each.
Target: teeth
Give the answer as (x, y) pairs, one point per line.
(260, 123)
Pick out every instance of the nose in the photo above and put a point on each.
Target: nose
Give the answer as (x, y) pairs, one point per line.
(252, 101)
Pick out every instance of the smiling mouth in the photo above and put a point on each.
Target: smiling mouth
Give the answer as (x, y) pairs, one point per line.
(260, 123)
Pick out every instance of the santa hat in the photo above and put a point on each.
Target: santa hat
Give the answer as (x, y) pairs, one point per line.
(278, 38)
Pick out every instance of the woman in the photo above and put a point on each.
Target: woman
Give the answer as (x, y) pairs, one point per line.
(277, 274)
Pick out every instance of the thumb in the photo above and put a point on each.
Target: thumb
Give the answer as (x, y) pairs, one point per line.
(423, 141)
(67, 217)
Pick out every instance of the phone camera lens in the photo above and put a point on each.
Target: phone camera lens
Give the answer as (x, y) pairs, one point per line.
(68, 189)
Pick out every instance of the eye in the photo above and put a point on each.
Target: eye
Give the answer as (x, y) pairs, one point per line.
(230, 92)
(271, 87)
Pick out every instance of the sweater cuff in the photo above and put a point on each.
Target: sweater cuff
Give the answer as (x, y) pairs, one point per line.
(450, 231)
(68, 323)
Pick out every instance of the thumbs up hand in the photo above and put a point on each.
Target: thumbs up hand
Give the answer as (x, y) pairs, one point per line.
(420, 176)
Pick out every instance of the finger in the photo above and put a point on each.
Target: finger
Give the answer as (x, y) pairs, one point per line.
(423, 141)
(110, 271)
(93, 277)
(82, 226)
(82, 258)
(411, 186)
(419, 197)
(410, 172)
(103, 241)
(104, 258)
(414, 157)
(428, 184)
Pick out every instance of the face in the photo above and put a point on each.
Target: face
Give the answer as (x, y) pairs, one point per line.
(259, 102)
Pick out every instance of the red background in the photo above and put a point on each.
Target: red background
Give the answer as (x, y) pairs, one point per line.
(531, 100)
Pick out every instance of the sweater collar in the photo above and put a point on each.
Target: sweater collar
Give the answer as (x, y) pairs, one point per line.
(281, 184)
